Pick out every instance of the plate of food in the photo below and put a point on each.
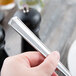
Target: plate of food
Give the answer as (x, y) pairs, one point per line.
(72, 59)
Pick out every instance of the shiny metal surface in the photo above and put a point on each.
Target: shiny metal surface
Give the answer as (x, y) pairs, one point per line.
(25, 32)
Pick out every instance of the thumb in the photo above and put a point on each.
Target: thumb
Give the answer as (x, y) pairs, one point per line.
(50, 63)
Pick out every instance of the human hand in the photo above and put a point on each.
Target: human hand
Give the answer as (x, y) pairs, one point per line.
(31, 64)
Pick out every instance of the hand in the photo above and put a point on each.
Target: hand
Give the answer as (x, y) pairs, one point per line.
(31, 64)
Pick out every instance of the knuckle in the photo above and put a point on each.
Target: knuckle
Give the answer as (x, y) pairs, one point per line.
(6, 60)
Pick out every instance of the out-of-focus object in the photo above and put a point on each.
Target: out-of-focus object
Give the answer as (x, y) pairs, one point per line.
(72, 59)
(71, 2)
(31, 18)
(3, 53)
(7, 4)
(37, 4)
(1, 16)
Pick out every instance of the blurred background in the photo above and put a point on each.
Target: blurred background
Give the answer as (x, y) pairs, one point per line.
(57, 27)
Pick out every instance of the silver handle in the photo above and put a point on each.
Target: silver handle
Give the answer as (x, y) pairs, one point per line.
(30, 37)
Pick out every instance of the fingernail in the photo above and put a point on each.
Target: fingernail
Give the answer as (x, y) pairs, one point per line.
(56, 54)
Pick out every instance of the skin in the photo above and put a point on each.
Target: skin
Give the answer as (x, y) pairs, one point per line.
(31, 64)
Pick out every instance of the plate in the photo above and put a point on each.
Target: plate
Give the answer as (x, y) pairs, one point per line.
(72, 59)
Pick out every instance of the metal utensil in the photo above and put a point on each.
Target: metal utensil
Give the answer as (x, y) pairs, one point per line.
(28, 35)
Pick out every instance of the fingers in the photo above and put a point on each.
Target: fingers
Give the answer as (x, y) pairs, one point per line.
(50, 63)
(34, 58)
(54, 74)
